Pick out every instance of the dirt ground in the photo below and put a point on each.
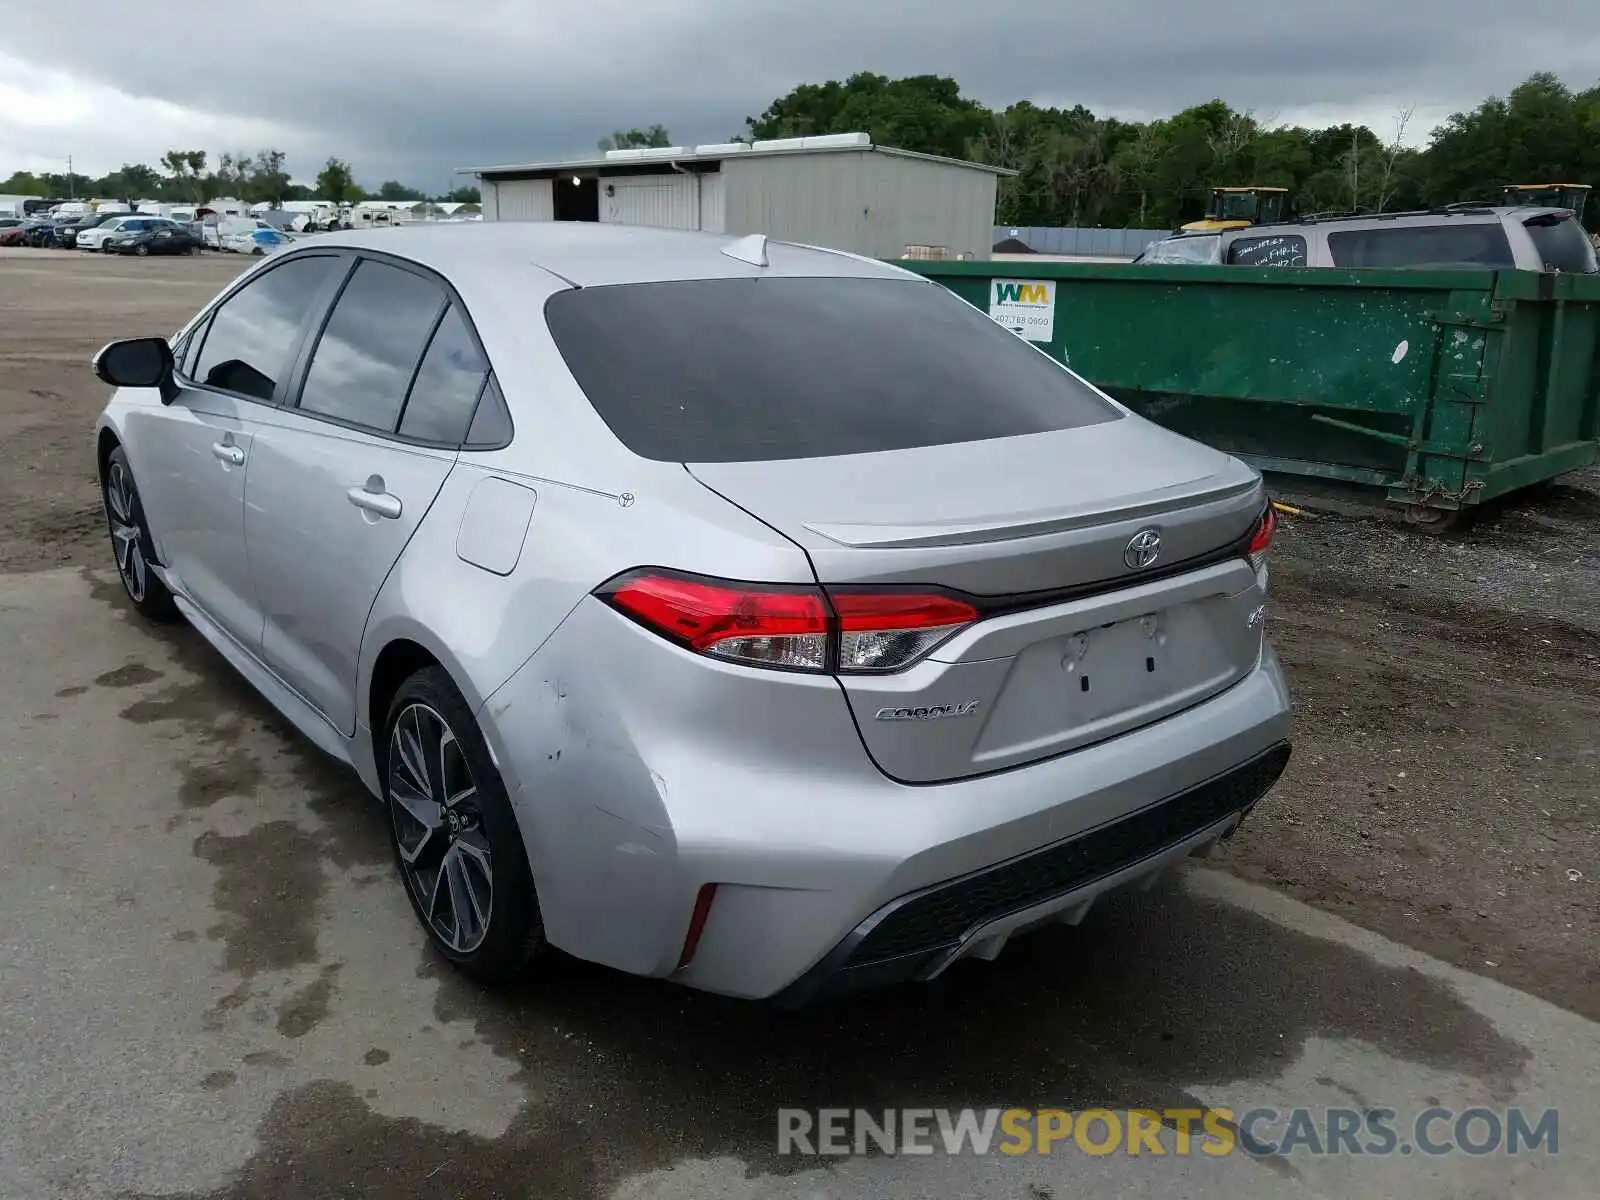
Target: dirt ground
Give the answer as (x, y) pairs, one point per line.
(57, 308)
(1445, 789)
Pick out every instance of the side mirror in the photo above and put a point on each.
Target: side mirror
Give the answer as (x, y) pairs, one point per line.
(138, 362)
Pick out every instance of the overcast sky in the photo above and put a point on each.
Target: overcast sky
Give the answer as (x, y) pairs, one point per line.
(410, 89)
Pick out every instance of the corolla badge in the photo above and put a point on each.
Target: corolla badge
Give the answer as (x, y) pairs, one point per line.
(927, 712)
(1143, 548)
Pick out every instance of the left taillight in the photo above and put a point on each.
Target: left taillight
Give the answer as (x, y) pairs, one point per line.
(790, 627)
(1261, 538)
(783, 627)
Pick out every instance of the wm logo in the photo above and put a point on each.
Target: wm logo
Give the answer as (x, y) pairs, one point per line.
(1022, 293)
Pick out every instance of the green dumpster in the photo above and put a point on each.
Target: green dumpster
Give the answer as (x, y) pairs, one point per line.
(1444, 387)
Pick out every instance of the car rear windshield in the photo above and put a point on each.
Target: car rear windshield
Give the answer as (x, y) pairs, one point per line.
(1480, 244)
(742, 370)
(1562, 243)
(1201, 250)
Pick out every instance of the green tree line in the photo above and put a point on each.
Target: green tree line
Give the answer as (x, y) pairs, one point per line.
(186, 177)
(1077, 168)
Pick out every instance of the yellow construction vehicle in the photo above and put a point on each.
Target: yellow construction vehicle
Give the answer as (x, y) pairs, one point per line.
(1236, 207)
(1570, 196)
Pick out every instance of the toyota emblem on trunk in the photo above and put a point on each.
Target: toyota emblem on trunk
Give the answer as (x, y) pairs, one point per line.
(1143, 549)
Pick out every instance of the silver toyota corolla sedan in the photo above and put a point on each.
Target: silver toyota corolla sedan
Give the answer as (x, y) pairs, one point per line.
(750, 614)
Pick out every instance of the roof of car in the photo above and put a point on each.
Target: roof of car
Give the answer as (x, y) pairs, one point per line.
(590, 254)
(1422, 216)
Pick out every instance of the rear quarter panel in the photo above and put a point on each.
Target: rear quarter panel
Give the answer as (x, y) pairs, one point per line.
(483, 626)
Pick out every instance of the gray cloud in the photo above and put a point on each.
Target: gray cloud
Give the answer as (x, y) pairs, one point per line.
(409, 89)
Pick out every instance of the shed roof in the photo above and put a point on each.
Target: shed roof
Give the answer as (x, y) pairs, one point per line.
(834, 143)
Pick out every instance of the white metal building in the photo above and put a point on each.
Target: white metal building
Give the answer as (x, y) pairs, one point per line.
(837, 190)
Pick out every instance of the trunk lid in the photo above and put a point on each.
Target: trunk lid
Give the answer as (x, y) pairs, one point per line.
(1079, 645)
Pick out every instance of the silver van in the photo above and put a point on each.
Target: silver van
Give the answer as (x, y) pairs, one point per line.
(1524, 237)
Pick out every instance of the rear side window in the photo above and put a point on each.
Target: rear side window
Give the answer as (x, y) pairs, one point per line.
(491, 423)
(739, 370)
(369, 350)
(252, 333)
(1279, 250)
(1193, 250)
(447, 385)
(1480, 244)
(1561, 243)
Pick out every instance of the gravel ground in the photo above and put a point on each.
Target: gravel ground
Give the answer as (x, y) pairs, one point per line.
(1444, 790)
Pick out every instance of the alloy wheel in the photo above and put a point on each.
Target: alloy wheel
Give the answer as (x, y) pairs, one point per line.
(438, 825)
(127, 538)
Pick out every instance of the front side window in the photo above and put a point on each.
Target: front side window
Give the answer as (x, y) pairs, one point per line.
(1479, 244)
(185, 352)
(253, 333)
(363, 364)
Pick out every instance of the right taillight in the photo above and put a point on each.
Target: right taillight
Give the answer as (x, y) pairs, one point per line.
(1261, 539)
(790, 627)
(885, 631)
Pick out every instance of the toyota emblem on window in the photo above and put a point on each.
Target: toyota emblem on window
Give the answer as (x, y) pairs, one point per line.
(1143, 549)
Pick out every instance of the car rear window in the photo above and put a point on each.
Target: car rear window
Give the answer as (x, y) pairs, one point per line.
(1202, 250)
(742, 370)
(1480, 244)
(1562, 243)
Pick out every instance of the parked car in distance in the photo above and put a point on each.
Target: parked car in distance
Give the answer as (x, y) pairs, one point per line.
(15, 235)
(1480, 236)
(68, 228)
(151, 237)
(685, 612)
(39, 232)
(95, 238)
(258, 242)
(216, 228)
(64, 230)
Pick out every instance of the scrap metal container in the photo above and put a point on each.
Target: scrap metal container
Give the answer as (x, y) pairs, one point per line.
(1444, 387)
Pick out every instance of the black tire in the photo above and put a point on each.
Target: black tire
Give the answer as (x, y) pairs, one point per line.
(132, 548)
(500, 947)
(141, 249)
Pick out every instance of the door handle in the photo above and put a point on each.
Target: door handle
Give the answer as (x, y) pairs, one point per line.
(380, 503)
(228, 454)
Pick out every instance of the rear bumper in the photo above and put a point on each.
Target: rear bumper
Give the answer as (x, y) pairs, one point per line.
(919, 935)
(641, 773)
